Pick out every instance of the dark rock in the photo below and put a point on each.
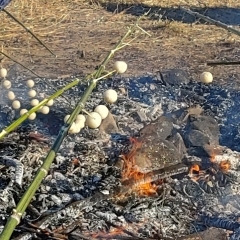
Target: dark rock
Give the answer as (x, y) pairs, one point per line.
(195, 138)
(155, 154)
(207, 125)
(178, 142)
(161, 128)
(198, 152)
(175, 77)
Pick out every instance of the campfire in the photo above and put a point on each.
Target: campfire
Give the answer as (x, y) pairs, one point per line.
(169, 177)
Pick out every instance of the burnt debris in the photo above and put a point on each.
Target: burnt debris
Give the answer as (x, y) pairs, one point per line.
(133, 178)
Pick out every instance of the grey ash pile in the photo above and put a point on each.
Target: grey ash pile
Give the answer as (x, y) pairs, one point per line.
(163, 165)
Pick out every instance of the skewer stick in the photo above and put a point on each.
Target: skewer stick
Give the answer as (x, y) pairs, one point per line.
(210, 20)
(29, 31)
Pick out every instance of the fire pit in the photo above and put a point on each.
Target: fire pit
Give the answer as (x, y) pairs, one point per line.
(164, 165)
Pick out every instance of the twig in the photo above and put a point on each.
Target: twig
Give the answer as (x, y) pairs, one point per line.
(7, 56)
(210, 20)
(29, 31)
(223, 63)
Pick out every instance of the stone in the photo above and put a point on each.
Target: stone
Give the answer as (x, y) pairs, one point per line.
(207, 125)
(109, 125)
(196, 138)
(155, 153)
(178, 142)
(160, 128)
(175, 77)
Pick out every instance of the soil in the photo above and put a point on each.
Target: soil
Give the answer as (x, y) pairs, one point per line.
(81, 33)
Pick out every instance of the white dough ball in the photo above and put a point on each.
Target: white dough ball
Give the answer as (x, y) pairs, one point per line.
(34, 102)
(102, 110)
(7, 84)
(50, 103)
(72, 128)
(45, 110)
(11, 95)
(22, 111)
(32, 93)
(3, 72)
(32, 116)
(94, 120)
(80, 122)
(16, 104)
(110, 96)
(77, 128)
(66, 118)
(30, 83)
(120, 66)
(206, 77)
(81, 117)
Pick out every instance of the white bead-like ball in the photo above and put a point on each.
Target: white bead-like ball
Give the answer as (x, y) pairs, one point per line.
(3, 72)
(81, 117)
(32, 93)
(206, 77)
(72, 128)
(32, 116)
(30, 83)
(102, 110)
(66, 118)
(11, 95)
(50, 103)
(110, 96)
(34, 102)
(94, 120)
(7, 84)
(77, 128)
(80, 122)
(22, 111)
(16, 104)
(45, 110)
(120, 67)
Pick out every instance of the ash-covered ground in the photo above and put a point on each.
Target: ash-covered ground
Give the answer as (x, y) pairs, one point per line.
(79, 198)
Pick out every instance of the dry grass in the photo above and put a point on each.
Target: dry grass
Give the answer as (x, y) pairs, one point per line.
(81, 32)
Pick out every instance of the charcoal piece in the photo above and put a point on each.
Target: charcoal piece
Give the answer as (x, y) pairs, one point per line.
(207, 125)
(175, 77)
(161, 128)
(198, 152)
(191, 97)
(178, 116)
(155, 154)
(195, 138)
(220, 223)
(6, 116)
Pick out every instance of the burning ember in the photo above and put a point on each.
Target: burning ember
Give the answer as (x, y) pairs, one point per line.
(132, 172)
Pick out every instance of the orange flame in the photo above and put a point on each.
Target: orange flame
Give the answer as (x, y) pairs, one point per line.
(225, 165)
(131, 171)
(113, 232)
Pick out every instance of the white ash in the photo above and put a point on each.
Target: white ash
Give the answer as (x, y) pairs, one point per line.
(174, 212)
